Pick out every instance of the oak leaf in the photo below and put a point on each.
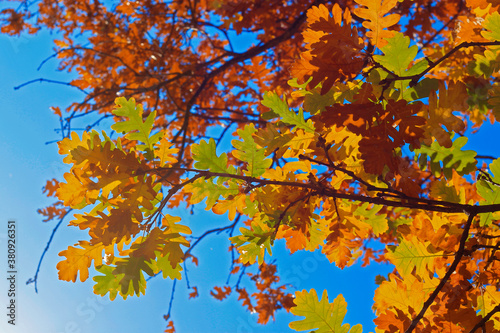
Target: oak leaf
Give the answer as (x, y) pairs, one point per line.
(407, 295)
(232, 205)
(489, 190)
(247, 151)
(206, 158)
(172, 248)
(107, 283)
(78, 260)
(146, 246)
(135, 127)
(392, 322)
(202, 189)
(320, 315)
(492, 26)
(165, 152)
(415, 255)
(194, 293)
(220, 294)
(440, 113)
(376, 19)
(444, 160)
(281, 109)
(333, 48)
(253, 243)
(129, 272)
(164, 264)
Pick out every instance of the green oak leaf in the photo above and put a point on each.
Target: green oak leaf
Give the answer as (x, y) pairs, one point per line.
(107, 283)
(206, 158)
(164, 265)
(247, 151)
(378, 222)
(397, 57)
(320, 315)
(280, 108)
(445, 160)
(490, 192)
(397, 54)
(202, 189)
(252, 244)
(492, 26)
(135, 128)
(414, 254)
(132, 280)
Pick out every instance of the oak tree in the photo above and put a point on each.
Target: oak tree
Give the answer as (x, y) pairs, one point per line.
(349, 121)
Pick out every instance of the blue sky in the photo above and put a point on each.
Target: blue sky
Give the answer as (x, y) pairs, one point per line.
(62, 307)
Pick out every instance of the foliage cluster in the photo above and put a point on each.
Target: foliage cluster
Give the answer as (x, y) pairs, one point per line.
(349, 120)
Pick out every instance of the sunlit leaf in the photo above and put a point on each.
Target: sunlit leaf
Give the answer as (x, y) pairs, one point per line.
(320, 315)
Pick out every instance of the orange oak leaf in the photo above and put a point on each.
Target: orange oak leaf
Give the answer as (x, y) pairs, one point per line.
(219, 293)
(468, 29)
(243, 296)
(392, 322)
(56, 210)
(193, 258)
(333, 48)
(194, 293)
(78, 260)
(170, 327)
(108, 229)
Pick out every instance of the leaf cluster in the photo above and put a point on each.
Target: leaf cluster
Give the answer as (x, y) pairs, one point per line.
(349, 127)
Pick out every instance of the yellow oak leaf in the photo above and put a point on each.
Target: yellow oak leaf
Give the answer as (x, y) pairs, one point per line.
(402, 294)
(165, 152)
(415, 255)
(487, 301)
(172, 248)
(77, 190)
(232, 205)
(374, 13)
(68, 144)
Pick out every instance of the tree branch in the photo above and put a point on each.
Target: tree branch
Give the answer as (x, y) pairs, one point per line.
(322, 190)
(451, 270)
(486, 318)
(415, 78)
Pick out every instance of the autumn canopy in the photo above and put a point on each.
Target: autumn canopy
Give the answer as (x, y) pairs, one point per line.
(347, 122)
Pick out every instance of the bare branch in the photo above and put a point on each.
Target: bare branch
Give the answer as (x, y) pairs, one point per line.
(35, 278)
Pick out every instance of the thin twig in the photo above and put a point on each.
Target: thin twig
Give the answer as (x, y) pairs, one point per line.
(172, 293)
(415, 78)
(486, 157)
(49, 81)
